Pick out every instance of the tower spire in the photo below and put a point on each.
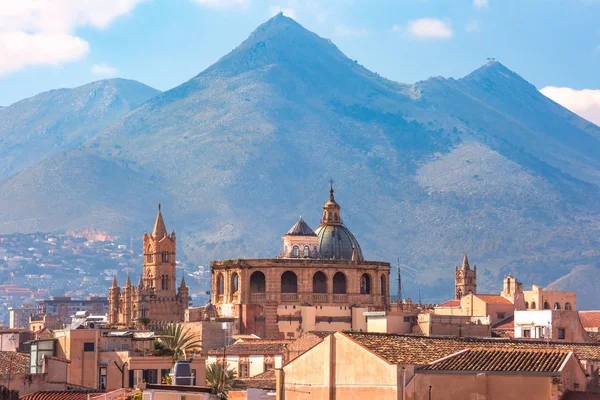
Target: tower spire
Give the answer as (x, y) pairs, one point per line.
(159, 226)
(331, 209)
(183, 285)
(465, 263)
(114, 282)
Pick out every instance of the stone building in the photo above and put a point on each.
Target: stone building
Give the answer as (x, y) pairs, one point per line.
(320, 281)
(465, 279)
(155, 297)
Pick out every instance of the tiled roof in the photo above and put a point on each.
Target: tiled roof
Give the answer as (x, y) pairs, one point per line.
(501, 360)
(590, 319)
(421, 350)
(266, 380)
(493, 298)
(58, 395)
(506, 323)
(254, 346)
(300, 228)
(582, 396)
(321, 334)
(450, 303)
(18, 363)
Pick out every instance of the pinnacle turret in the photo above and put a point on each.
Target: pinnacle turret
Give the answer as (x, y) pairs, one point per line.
(159, 226)
(465, 263)
(114, 282)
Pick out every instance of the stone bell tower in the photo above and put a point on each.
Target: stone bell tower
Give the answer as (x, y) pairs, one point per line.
(159, 259)
(465, 279)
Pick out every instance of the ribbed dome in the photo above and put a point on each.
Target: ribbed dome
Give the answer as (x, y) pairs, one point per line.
(337, 242)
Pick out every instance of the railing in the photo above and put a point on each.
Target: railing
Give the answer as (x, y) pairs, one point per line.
(365, 299)
(340, 298)
(289, 296)
(257, 297)
(320, 297)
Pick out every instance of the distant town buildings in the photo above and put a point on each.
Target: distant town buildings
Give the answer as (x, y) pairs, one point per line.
(19, 316)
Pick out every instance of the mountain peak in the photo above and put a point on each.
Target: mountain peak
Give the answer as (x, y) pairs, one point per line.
(494, 71)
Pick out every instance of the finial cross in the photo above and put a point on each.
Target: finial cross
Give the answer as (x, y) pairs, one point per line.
(331, 182)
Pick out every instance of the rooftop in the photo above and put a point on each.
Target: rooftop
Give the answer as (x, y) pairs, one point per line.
(266, 380)
(450, 303)
(493, 298)
(590, 319)
(17, 363)
(300, 228)
(254, 346)
(501, 360)
(421, 350)
(59, 395)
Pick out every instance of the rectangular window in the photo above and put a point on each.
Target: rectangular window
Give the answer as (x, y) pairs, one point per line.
(501, 315)
(151, 376)
(164, 373)
(526, 333)
(243, 370)
(561, 333)
(88, 346)
(406, 319)
(102, 380)
(194, 375)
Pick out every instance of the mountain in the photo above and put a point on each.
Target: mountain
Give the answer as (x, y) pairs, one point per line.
(484, 165)
(57, 120)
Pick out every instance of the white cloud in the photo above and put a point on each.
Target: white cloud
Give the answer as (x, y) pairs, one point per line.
(430, 28)
(346, 31)
(287, 11)
(21, 49)
(222, 3)
(585, 103)
(480, 3)
(104, 70)
(41, 32)
(473, 26)
(397, 28)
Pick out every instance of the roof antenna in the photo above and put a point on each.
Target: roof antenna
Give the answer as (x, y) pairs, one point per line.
(399, 283)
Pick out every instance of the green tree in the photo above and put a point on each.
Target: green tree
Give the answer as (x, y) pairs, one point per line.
(221, 383)
(181, 340)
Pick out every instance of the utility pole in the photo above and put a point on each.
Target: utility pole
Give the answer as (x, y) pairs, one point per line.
(399, 283)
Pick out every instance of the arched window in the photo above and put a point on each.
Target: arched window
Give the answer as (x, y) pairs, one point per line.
(556, 306)
(383, 286)
(258, 282)
(526, 305)
(339, 283)
(289, 282)
(295, 251)
(165, 256)
(235, 282)
(306, 252)
(148, 258)
(568, 306)
(220, 284)
(365, 284)
(319, 282)
(533, 305)
(166, 282)
(546, 305)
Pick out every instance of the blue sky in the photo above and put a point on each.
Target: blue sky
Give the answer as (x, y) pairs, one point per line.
(165, 42)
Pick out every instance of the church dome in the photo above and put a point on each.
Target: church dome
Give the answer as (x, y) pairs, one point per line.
(335, 240)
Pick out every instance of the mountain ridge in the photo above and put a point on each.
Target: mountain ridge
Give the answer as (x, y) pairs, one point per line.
(424, 172)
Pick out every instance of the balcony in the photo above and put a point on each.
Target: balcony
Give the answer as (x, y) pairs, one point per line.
(289, 297)
(340, 298)
(320, 297)
(258, 297)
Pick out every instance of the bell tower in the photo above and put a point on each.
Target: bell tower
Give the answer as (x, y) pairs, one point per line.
(159, 259)
(465, 279)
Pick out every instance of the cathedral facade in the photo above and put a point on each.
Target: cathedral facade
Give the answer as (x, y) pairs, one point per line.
(319, 281)
(155, 299)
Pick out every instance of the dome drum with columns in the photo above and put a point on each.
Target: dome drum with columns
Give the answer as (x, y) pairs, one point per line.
(323, 268)
(155, 297)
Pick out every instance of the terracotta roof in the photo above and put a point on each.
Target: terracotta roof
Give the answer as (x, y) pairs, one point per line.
(450, 303)
(582, 396)
(421, 350)
(254, 346)
(17, 362)
(266, 380)
(501, 360)
(590, 319)
(506, 323)
(59, 395)
(493, 298)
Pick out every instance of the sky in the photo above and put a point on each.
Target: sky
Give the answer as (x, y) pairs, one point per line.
(554, 44)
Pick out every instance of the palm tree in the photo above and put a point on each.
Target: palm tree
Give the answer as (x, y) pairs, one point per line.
(221, 383)
(180, 340)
